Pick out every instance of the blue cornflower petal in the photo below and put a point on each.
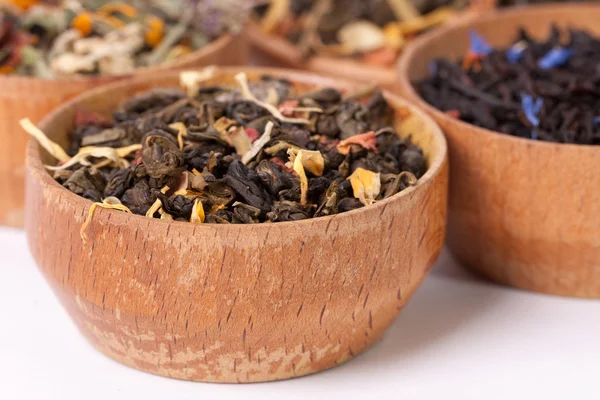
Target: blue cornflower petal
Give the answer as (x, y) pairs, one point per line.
(514, 54)
(555, 58)
(478, 44)
(532, 108)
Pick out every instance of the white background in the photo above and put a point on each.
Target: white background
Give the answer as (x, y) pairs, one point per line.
(459, 338)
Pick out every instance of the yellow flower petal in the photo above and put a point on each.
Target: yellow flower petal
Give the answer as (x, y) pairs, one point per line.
(110, 203)
(197, 216)
(53, 148)
(311, 160)
(366, 185)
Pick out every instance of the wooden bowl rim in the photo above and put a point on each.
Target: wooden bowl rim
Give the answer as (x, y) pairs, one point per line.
(489, 17)
(212, 47)
(436, 163)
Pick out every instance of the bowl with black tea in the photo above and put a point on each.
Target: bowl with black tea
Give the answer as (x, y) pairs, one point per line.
(516, 92)
(51, 51)
(353, 39)
(259, 225)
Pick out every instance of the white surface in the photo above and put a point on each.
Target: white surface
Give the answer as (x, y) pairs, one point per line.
(459, 338)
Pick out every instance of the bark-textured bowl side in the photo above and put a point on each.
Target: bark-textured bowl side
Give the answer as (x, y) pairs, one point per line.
(521, 212)
(275, 50)
(235, 303)
(22, 97)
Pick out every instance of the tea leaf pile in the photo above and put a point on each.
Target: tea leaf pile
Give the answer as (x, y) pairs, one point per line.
(254, 152)
(542, 90)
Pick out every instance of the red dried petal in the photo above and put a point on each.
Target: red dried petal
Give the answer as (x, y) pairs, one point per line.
(252, 134)
(366, 140)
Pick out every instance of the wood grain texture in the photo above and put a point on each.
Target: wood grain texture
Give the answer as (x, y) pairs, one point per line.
(22, 97)
(521, 212)
(235, 303)
(271, 50)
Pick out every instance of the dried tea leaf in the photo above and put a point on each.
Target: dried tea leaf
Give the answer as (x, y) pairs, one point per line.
(191, 80)
(361, 36)
(242, 80)
(197, 216)
(110, 203)
(396, 185)
(366, 185)
(161, 155)
(259, 144)
(366, 140)
(53, 148)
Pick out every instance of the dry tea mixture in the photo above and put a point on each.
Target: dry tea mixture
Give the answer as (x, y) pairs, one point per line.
(372, 31)
(543, 90)
(48, 39)
(261, 152)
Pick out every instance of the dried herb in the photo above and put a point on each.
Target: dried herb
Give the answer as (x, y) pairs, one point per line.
(48, 39)
(371, 31)
(541, 90)
(186, 162)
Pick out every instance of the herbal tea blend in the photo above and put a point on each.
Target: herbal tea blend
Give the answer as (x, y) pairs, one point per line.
(258, 152)
(543, 90)
(372, 31)
(48, 39)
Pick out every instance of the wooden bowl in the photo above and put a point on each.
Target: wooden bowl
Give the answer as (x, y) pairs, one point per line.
(33, 98)
(275, 50)
(235, 303)
(522, 212)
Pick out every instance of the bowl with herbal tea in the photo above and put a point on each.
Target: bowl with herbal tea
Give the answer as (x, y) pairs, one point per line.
(261, 225)
(352, 39)
(516, 92)
(51, 51)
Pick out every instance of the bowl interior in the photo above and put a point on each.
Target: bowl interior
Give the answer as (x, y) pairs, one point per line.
(499, 28)
(409, 122)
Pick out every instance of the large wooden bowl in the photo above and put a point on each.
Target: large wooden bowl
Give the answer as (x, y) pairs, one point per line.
(278, 51)
(235, 303)
(521, 212)
(33, 98)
